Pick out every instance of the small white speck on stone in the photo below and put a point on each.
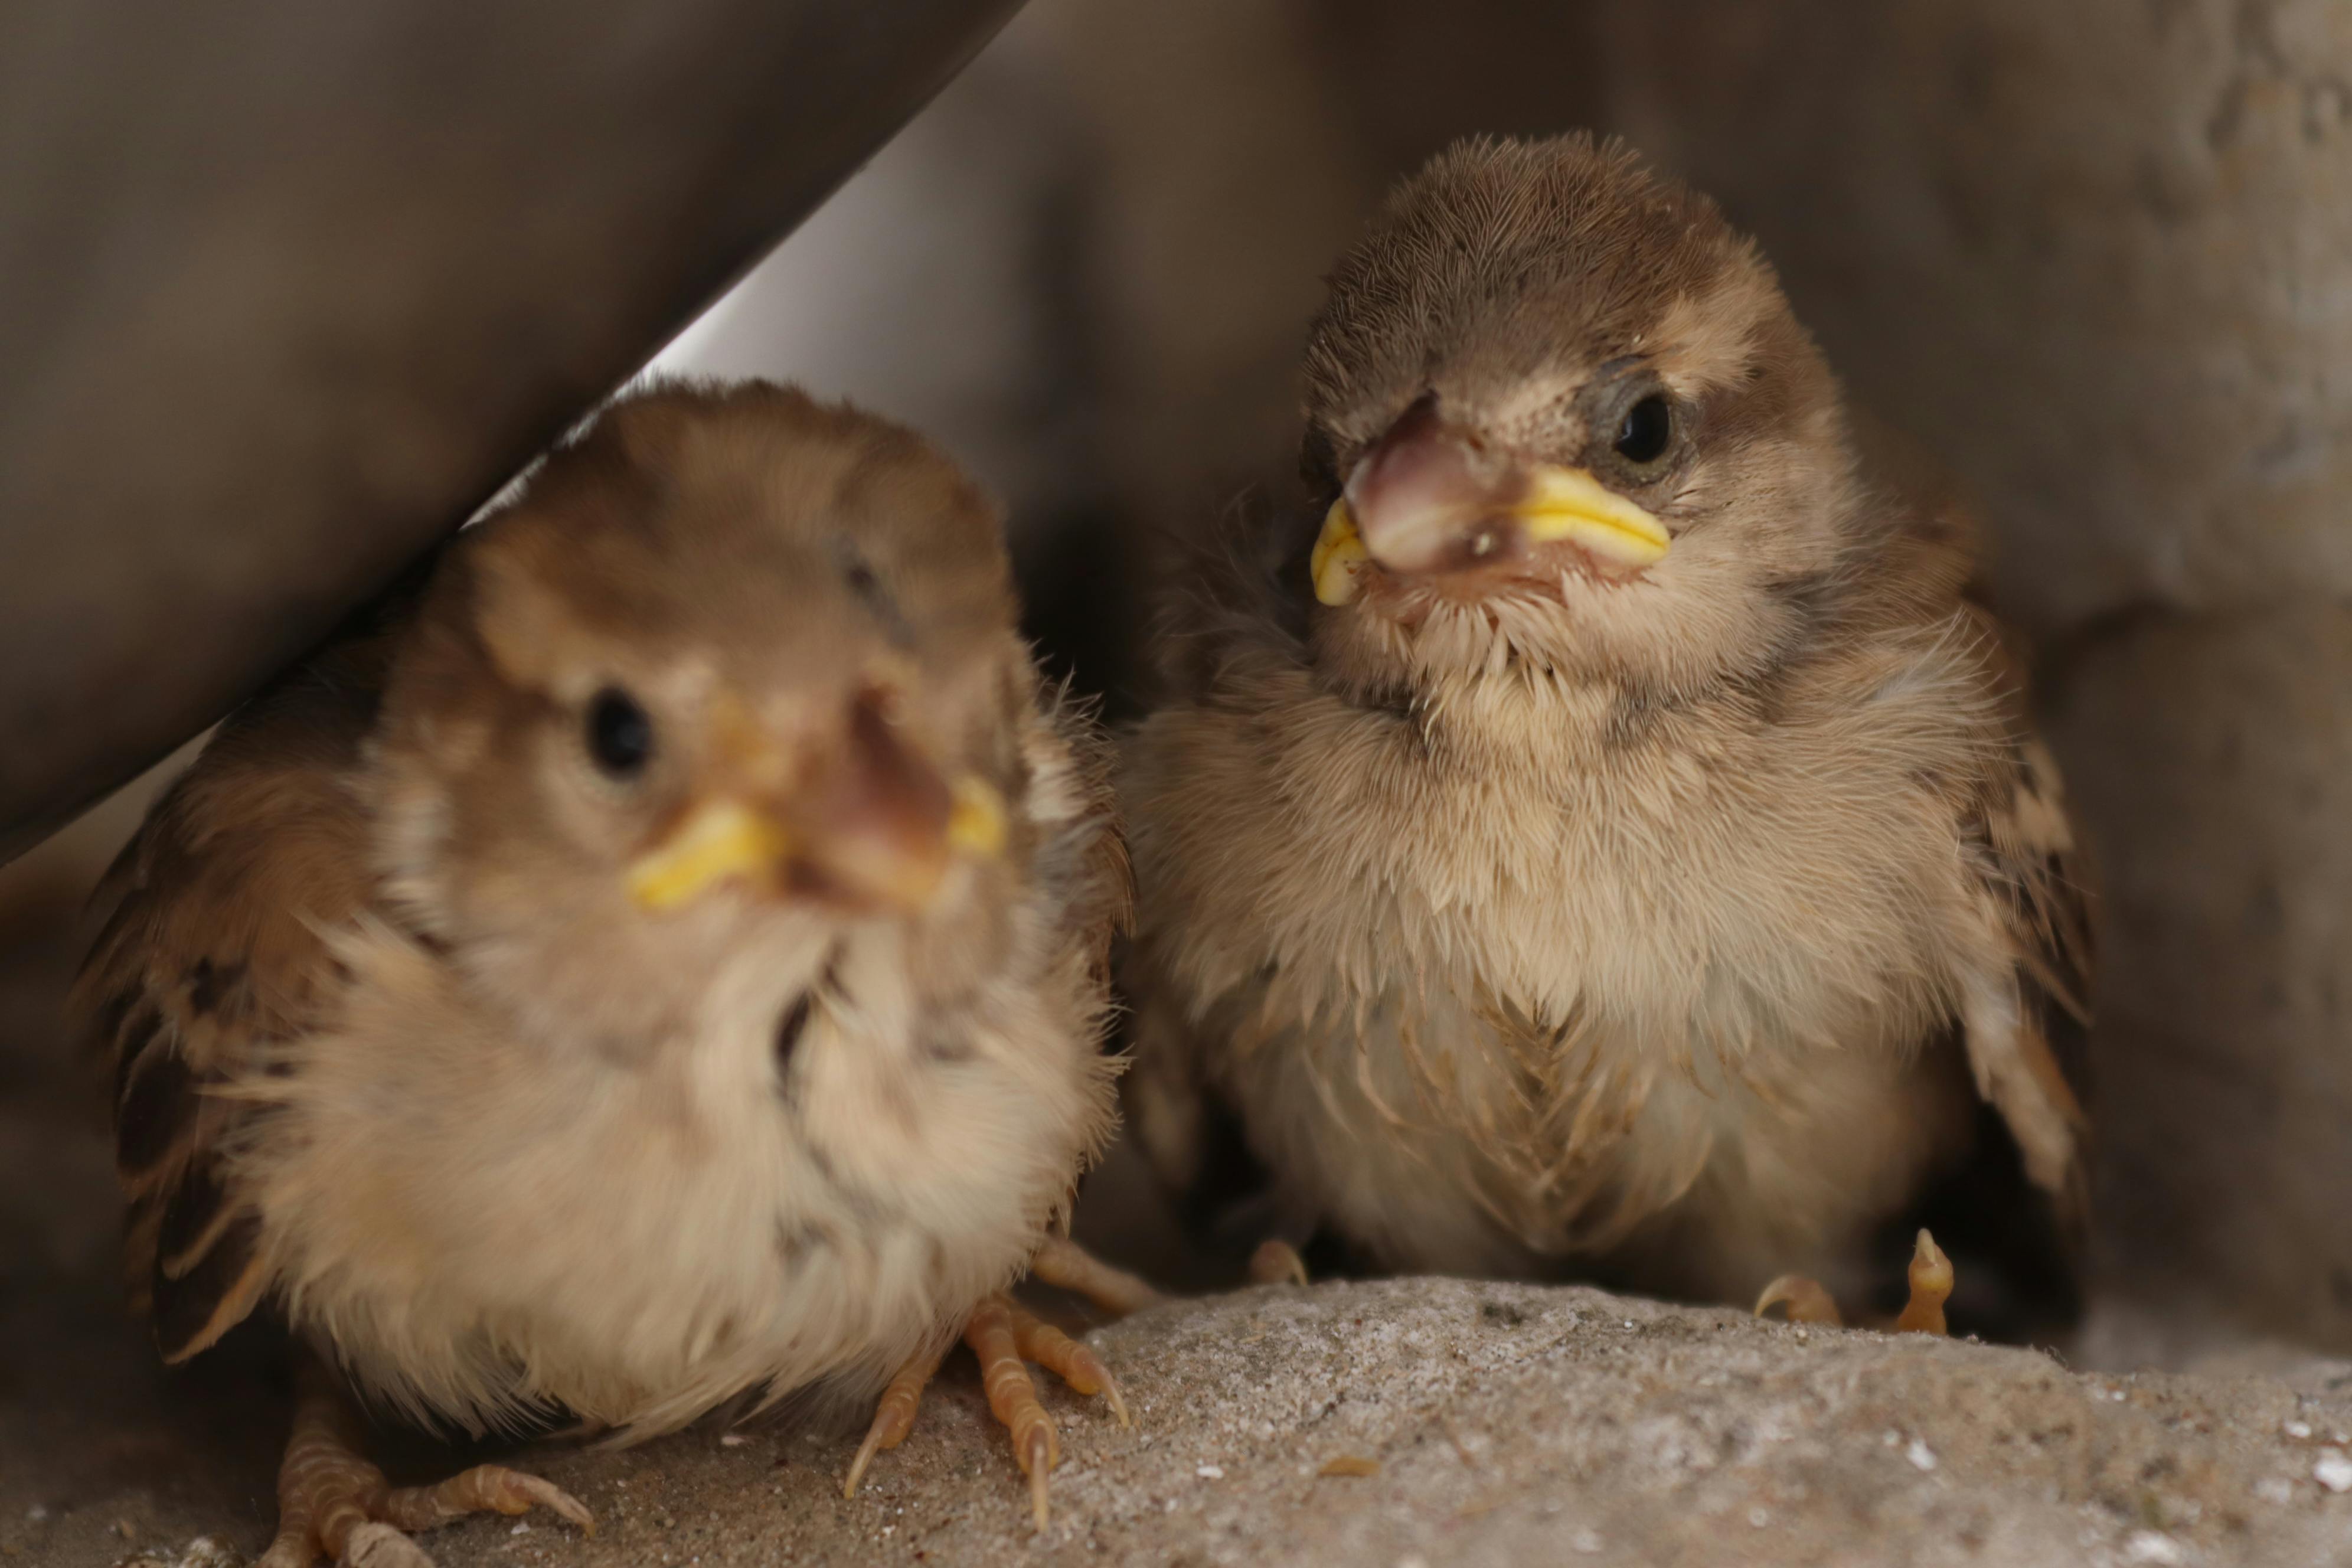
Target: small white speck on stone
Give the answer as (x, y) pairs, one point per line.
(38, 1512)
(1922, 1457)
(732, 1439)
(1892, 1439)
(2298, 1430)
(521, 1529)
(1211, 1472)
(2274, 1488)
(2152, 1546)
(1585, 1542)
(2333, 1471)
(1759, 1517)
(1629, 1323)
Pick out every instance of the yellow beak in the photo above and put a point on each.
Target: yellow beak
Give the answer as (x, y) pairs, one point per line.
(1570, 504)
(976, 819)
(728, 841)
(721, 840)
(1553, 504)
(1338, 555)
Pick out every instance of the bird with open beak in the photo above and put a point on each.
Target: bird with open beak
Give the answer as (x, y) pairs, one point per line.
(657, 963)
(1599, 836)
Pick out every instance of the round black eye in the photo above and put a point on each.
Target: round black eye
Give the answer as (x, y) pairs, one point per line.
(619, 734)
(1647, 430)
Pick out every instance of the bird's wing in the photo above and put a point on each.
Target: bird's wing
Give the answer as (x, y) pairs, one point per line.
(1083, 856)
(214, 958)
(2026, 1017)
(2028, 1020)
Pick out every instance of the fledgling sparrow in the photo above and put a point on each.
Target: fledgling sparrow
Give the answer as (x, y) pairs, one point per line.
(1614, 844)
(656, 961)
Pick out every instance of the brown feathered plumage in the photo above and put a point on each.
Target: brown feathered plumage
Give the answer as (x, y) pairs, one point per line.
(656, 961)
(1615, 842)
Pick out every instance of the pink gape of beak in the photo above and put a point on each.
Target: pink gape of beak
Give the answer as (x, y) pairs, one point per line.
(1431, 497)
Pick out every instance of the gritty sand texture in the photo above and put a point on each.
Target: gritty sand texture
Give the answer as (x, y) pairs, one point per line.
(1500, 1424)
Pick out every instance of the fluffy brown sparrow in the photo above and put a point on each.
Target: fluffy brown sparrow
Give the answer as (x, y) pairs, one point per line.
(1614, 842)
(657, 962)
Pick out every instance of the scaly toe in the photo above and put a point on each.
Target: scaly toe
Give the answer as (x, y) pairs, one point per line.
(378, 1545)
(994, 1334)
(522, 1492)
(894, 1414)
(1075, 1365)
(1931, 1280)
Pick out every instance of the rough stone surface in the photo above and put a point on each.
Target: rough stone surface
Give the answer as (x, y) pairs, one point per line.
(1500, 1424)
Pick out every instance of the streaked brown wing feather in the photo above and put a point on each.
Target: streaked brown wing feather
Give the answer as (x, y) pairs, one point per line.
(2032, 876)
(2035, 882)
(213, 954)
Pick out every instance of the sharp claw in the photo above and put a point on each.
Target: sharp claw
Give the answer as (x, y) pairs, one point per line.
(527, 1490)
(1807, 1301)
(865, 1452)
(572, 1508)
(1277, 1263)
(1117, 1403)
(1037, 1460)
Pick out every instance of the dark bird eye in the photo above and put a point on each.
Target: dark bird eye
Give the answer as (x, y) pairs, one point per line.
(619, 734)
(1647, 429)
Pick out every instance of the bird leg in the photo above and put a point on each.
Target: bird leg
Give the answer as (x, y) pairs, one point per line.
(1931, 1280)
(1064, 1265)
(1003, 1337)
(333, 1503)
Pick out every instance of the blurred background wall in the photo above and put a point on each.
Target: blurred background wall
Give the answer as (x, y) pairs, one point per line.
(2098, 255)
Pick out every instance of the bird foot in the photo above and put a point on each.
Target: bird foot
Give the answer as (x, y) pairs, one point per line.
(1064, 1265)
(333, 1503)
(1277, 1263)
(1931, 1286)
(1003, 1337)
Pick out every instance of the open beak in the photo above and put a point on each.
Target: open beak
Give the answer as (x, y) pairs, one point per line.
(871, 825)
(1429, 497)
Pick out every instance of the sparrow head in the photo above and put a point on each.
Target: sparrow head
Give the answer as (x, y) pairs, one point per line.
(731, 661)
(1559, 409)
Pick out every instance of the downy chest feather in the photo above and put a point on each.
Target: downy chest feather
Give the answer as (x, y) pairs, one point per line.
(480, 1225)
(1710, 882)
